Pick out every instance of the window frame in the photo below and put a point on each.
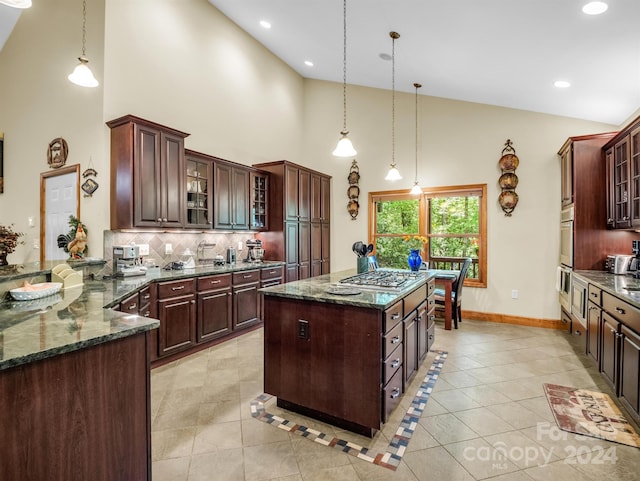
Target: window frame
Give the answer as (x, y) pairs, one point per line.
(424, 205)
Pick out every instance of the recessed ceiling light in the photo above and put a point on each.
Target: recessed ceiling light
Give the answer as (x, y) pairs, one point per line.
(595, 8)
(385, 56)
(265, 24)
(561, 84)
(308, 63)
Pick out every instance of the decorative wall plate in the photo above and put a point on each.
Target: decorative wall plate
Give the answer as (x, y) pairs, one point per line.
(509, 162)
(57, 153)
(508, 181)
(508, 199)
(89, 187)
(353, 192)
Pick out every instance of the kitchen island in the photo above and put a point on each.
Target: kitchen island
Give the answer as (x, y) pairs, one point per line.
(345, 359)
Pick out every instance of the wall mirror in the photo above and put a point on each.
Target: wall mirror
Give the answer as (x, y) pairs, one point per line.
(59, 198)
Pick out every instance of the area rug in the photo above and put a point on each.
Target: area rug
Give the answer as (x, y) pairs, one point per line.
(392, 456)
(589, 413)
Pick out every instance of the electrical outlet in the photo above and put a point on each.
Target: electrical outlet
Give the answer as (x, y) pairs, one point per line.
(168, 249)
(36, 244)
(514, 294)
(303, 329)
(144, 249)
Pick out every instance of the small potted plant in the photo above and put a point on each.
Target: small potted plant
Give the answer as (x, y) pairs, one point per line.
(9, 239)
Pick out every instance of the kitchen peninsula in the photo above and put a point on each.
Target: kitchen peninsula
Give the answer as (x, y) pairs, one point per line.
(345, 359)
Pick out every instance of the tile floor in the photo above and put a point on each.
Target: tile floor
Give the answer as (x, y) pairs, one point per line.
(486, 418)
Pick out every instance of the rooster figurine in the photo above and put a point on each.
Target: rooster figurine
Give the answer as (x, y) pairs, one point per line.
(75, 247)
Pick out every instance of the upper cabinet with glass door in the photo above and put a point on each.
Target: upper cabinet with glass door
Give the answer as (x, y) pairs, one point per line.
(259, 209)
(199, 172)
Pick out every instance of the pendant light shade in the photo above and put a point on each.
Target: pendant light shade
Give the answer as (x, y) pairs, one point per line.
(416, 189)
(82, 74)
(16, 3)
(393, 173)
(344, 147)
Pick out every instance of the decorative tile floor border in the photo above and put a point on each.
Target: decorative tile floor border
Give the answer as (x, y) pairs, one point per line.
(397, 447)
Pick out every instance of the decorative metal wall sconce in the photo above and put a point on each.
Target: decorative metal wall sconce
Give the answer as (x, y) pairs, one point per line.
(353, 192)
(508, 181)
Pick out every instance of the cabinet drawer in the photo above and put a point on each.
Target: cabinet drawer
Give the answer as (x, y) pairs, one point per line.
(271, 273)
(270, 283)
(579, 332)
(145, 311)
(622, 311)
(148, 294)
(208, 283)
(391, 364)
(391, 395)
(595, 295)
(246, 277)
(391, 340)
(431, 334)
(414, 299)
(392, 316)
(176, 288)
(431, 286)
(130, 304)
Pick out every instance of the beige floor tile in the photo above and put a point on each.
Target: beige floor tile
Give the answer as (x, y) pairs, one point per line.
(446, 428)
(255, 432)
(217, 436)
(312, 456)
(269, 461)
(521, 450)
(515, 414)
(227, 464)
(559, 471)
(483, 421)
(172, 443)
(485, 395)
(454, 400)
(615, 463)
(459, 379)
(437, 464)
(370, 472)
(521, 389)
(564, 444)
(480, 458)
(335, 473)
(171, 469)
(421, 439)
(514, 476)
(218, 412)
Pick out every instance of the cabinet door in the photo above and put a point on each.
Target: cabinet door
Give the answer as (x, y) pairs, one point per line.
(316, 198)
(609, 350)
(630, 370)
(326, 250)
(316, 249)
(410, 348)
(593, 331)
(304, 250)
(173, 184)
(622, 199)
(223, 203)
(291, 253)
(199, 188)
(304, 195)
(422, 322)
(147, 179)
(177, 326)
(245, 305)
(291, 193)
(566, 171)
(634, 167)
(325, 200)
(214, 317)
(259, 215)
(240, 205)
(611, 202)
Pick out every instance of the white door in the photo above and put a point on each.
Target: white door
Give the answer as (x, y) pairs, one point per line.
(61, 200)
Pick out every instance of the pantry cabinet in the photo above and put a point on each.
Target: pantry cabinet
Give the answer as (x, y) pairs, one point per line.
(299, 205)
(147, 174)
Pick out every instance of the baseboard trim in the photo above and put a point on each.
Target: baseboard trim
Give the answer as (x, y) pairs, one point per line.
(517, 320)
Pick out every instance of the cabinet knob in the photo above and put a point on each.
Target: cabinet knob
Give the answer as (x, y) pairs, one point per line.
(395, 340)
(620, 310)
(193, 302)
(395, 316)
(159, 219)
(133, 306)
(431, 337)
(395, 363)
(164, 220)
(395, 393)
(609, 221)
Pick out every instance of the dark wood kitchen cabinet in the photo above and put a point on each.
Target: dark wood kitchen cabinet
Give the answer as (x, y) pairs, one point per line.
(609, 350)
(231, 196)
(177, 315)
(259, 217)
(299, 205)
(199, 193)
(214, 317)
(147, 174)
(245, 298)
(583, 180)
(630, 370)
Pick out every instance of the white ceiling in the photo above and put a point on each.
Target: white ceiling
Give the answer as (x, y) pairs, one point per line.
(499, 52)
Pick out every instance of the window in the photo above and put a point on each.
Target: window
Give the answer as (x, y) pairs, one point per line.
(453, 219)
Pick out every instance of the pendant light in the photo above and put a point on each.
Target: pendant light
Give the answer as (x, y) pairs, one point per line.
(16, 3)
(416, 189)
(344, 147)
(393, 173)
(82, 74)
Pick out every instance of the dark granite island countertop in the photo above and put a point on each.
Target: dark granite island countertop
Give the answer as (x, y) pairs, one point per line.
(624, 286)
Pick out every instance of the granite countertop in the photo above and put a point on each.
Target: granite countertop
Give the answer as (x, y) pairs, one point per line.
(79, 317)
(316, 289)
(624, 286)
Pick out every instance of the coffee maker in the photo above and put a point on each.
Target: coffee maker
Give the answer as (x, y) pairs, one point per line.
(254, 250)
(126, 261)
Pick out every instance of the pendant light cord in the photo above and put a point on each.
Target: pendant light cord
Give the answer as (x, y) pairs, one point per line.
(84, 27)
(344, 65)
(417, 86)
(393, 98)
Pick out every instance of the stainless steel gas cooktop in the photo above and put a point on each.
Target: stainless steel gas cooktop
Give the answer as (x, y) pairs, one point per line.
(383, 279)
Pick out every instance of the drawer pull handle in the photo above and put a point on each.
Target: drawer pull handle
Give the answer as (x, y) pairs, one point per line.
(177, 288)
(216, 282)
(272, 272)
(146, 296)
(593, 294)
(395, 340)
(395, 316)
(147, 314)
(246, 276)
(132, 307)
(395, 363)
(395, 393)
(620, 310)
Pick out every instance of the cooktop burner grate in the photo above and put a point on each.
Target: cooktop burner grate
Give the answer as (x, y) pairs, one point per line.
(385, 279)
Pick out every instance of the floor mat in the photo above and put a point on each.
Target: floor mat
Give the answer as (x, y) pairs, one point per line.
(589, 413)
(391, 457)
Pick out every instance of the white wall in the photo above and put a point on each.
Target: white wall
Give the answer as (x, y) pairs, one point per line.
(183, 64)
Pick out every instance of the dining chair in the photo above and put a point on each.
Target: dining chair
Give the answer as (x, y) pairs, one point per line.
(456, 294)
